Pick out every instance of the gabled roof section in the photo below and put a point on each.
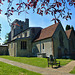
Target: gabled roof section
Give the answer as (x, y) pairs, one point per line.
(46, 32)
(27, 29)
(68, 33)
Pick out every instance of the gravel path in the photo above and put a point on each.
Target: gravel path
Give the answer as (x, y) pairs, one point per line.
(45, 71)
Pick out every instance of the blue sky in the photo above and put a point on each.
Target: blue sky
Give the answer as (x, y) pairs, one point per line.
(35, 20)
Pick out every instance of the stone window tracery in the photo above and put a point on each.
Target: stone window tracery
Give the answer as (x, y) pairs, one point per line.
(23, 45)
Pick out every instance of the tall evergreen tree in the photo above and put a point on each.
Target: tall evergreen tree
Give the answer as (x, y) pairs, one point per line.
(67, 27)
(72, 28)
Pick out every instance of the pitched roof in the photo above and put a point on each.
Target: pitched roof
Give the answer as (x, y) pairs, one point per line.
(46, 32)
(68, 32)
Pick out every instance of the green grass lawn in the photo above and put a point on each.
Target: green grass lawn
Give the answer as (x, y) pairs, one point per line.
(7, 69)
(73, 71)
(40, 62)
(64, 61)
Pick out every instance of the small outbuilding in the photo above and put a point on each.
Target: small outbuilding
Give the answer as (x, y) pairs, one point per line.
(4, 50)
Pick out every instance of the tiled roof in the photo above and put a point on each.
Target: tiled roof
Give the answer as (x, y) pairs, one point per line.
(46, 32)
(68, 32)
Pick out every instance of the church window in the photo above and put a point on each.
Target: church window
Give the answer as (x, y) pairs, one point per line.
(65, 51)
(61, 39)
(43, 45)
(25, 34)
(20, 35)
(23, 45)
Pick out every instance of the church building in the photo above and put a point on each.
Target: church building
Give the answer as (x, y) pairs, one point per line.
(36, 41)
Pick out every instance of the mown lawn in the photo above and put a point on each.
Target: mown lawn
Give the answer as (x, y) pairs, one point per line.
(64, 61)
(7, 69)
(73, 71)
(35, 61)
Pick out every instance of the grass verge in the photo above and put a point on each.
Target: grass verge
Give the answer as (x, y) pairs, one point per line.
(40, 62)
(73, 71)
(64, 61)
(7, 69)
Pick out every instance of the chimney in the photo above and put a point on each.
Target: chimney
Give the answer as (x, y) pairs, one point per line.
(27, 22)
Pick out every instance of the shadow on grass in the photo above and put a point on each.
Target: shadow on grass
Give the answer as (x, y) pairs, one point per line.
(56, 67)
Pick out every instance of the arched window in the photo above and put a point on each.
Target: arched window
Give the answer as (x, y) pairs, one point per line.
(43, 45)
(65, 51)
(61, 39)
(59, 52)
